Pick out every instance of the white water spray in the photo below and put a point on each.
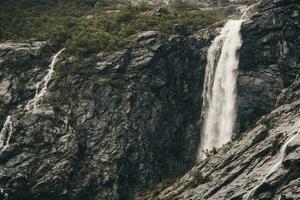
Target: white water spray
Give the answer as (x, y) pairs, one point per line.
(42, 86)
(275, 167)
(5, 134)
(219, 94)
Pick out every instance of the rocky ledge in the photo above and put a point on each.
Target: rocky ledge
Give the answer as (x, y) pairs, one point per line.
(20, 66)
(269, 60)
(112, 125)
(262, 164)
(263, 161)
(109, 129)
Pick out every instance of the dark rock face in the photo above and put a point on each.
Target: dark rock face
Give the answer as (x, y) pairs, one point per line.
(110, 130)
(244, 164)
(263, 163)
(269, 58)
(120, 123)
(18, 69)
(221, 3)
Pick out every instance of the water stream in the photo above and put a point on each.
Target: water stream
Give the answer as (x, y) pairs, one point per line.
(7, 130)
(42, 86)
(5, 134)
(276, 166)
(219, 94)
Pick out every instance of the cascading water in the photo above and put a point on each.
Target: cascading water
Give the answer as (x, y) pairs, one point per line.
(219, 94)
(5, 134)
(275, 167)
(7, 130)
(41, 92)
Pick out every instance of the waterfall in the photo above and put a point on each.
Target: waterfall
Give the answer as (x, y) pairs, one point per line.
(42, 86)
(219, 94)
(5, 195)
(275, 167)
(5, 134)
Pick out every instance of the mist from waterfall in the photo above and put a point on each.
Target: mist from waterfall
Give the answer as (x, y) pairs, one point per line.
(219, 94)
(42, 86)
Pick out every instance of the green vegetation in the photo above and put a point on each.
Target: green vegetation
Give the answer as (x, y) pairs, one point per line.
(199, 179)
(84, 30)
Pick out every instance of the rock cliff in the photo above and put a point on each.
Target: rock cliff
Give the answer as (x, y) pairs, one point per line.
(243, 166)
(103, 132)
(111, 126)
(261, 163)
(269, 60)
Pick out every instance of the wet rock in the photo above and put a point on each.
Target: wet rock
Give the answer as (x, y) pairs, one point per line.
(293, 152)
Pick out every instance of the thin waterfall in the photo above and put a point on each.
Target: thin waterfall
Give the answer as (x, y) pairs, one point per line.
(275, 167)
(5, 134)
(7, 130)
(219, 94)
(42, 86)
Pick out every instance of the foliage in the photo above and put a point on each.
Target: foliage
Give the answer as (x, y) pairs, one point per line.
(85, 30)
(276, 144)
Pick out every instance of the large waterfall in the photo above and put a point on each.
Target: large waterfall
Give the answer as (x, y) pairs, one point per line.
(219, 94)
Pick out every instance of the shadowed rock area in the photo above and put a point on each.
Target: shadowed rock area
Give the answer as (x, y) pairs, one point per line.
(242, 164)
(111, 125)
(105, 132)
(268, 81)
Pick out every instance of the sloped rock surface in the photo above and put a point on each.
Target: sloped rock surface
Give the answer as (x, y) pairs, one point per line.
(268, 79)
(110, 129)
(222, 3)
(20, 65)
(243, 164)
(110, 126)
(269, 58)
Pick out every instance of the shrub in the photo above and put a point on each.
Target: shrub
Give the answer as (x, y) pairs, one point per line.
(85, 30)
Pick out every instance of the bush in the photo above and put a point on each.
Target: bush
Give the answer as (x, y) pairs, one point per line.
(84, 30)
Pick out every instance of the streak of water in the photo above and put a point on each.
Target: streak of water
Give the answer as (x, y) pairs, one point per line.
(5, 134)
(276, 166)
(219, 95)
